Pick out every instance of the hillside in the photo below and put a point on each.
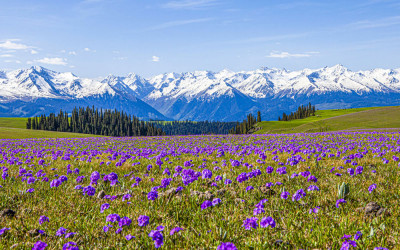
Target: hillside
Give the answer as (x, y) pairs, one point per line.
(14, 128)
(199, 95)
(335, 120)
(18, 133)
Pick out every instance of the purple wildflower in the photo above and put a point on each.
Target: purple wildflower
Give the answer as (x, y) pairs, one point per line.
(143, 220)
(175, 230)
(226, 246)
(250, 223)
(267, 221)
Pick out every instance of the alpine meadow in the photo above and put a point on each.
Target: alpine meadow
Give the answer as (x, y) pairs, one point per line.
(200, 124)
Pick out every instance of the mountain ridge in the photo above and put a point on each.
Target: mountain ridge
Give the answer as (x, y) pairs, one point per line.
(205, 95)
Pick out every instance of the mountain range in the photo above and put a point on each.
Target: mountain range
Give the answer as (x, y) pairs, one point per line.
(198, 95)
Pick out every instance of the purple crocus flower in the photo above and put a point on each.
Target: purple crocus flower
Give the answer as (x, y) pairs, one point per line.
(348, 243)
(313, 188)
(338, 202)
(39, 245)
(143, 220)
(70, 246)
(269, 169)
(206, 204)
(216, 201)
(298, 195)
(226, 246)
(152, 195)
(250, 223)
(55, 183)
(358, 235)
(94, 177)
(43, 219)
(89, 190)
(175, 230)
(285, 195)
(104, 207)
(228, 181)
(125, 221)
(113, 218)
(4, 229)
(258, 210)
(267, 221)
(206, 174)
(157, 237)
(129, 237)
(61, 231)
(372, 188)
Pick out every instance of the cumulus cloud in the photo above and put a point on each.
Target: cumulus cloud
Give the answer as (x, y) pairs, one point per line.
(12, 61)
(53, 61)
(13, 44)
(89, 50)
(283, 54)
(6, 55)
(72, 53)
(34, 52)
(155, 59)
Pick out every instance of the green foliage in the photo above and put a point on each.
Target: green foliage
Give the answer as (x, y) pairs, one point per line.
(301, 113)
(343, 190)
(94, 121)
(245, 126)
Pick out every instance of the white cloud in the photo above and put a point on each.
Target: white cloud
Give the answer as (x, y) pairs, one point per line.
(34, 52)
(6, 55)
(155, 59)
(190, 4)
(12, 61)
(89, 50)
(370, 24)
(12, 44)
(53, 61)
(180, 23)
(72, 53)
(276, 54)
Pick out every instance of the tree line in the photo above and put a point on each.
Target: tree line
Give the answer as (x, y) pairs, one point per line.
(247, 125)
(194, 128)
(301, 113)
(115, 123)
(94, 121)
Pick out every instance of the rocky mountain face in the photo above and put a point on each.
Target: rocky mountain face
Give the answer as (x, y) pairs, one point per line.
(199, 95)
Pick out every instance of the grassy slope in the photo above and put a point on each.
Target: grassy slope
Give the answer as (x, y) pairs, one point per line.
(13, 122)
(333, 120)
(18, 133)
(14, 128)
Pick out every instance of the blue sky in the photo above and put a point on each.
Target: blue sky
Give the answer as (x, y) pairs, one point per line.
(94, 38)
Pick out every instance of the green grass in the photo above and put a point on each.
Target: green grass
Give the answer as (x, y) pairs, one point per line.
(14, 128)
(336, 119)
(295, 226)
(18, 133)
(13, 122)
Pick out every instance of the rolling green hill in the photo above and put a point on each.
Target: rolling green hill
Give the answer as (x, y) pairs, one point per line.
(334, 120)
(14, 128)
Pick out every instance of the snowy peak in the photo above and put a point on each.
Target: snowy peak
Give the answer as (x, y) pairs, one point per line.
(202, 95)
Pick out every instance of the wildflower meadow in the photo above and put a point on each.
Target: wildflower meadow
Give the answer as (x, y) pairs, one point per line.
(300, 191)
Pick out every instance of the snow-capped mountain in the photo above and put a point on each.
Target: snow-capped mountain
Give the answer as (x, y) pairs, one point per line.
(38, 90)
(228, 95)
(200, 95)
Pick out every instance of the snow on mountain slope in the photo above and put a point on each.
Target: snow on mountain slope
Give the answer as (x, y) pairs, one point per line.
(206, 95)
(39, 90)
